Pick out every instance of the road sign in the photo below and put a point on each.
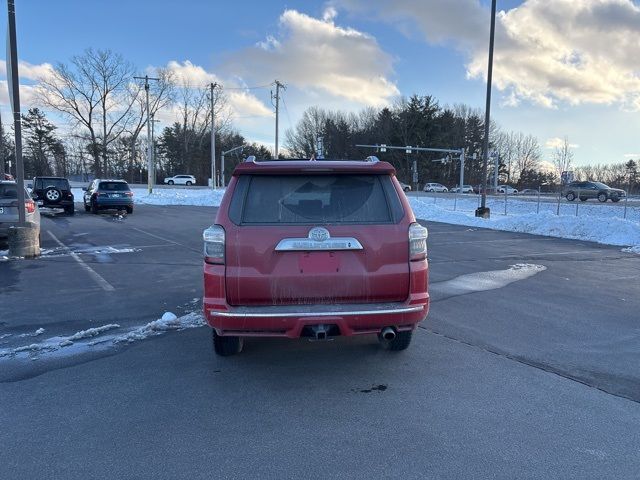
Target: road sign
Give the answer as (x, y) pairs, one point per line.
(407, 149)
(383, 147)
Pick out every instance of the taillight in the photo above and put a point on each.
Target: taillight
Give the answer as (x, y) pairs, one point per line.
(214, 244)
(129, 194)
(30, 206)
(417, 242)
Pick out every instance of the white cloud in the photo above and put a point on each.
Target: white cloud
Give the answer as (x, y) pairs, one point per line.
(28, 70)
(631, 155)
(316, 54)
(549, 53)
(557, 142)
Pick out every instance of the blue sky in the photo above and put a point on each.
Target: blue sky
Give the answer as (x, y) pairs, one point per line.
(396, 47)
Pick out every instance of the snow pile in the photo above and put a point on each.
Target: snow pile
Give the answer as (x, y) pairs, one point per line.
(85, 340)
(39, 331)
(606, 230)
(635, 249)
(483, 281)
(169, 321)
(201, 197)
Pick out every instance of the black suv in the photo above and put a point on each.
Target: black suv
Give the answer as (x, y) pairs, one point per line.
(53, 192)
(587, 190)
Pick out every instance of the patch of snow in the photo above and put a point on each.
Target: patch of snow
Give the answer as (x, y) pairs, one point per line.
(5, 335)
(92, 332)
(483, 281)
(635, 249)
(611, 230)
(39, 331)
(168, 322)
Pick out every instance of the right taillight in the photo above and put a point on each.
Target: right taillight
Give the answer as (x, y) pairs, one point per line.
(417, 242)
(214, 244)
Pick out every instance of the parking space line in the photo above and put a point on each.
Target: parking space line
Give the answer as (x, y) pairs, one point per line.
(166, 240)
(102, 283)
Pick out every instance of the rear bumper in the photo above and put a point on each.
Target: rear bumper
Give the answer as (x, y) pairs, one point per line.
(291, 320)
(114, 202)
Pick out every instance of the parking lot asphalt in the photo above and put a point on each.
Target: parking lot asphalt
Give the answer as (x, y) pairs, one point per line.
(530, 377)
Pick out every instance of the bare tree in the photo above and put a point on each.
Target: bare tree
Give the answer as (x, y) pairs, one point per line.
(563, 157)
(95, 91)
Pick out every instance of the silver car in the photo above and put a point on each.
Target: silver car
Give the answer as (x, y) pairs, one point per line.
(9, 208)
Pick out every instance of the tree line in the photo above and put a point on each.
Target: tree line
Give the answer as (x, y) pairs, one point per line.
(106, 116)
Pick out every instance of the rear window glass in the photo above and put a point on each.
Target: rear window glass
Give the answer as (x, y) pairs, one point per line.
(8, 191)
(113, 186)
(309, 199)
(59, 183)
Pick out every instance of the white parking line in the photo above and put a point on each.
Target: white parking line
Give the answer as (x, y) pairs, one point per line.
(102, 283)
(166, 239)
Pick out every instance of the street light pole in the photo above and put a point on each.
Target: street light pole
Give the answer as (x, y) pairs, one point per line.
(483, 211)
(213, 138)
(150, 166)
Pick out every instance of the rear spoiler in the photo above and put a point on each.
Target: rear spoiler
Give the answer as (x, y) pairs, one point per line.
(370, 165)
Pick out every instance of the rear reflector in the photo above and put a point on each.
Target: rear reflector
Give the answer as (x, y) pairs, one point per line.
(417, 242)
(214, 239)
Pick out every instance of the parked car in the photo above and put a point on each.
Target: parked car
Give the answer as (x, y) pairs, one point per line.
(405, 187)
(508, 189)
(181, 180)
(53, 192)
(9, 208)
(314, 249)
(587, 190)
(108, 195)
(435, 187)
(528, 191)
(8, 176)
(465, 189)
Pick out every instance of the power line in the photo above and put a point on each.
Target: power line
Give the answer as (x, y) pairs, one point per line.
(256, 87)
(286, 110)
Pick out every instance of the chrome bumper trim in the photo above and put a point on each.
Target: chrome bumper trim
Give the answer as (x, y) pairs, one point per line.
(337, 313)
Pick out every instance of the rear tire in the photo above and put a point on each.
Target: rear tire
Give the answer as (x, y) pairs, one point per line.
(602, 197)
(401, 342)
(226, 346)
(170, 182)
(70, 210)
(571, 196)
(189, 183)
(129, 210)
(94, 208)
(87, 208)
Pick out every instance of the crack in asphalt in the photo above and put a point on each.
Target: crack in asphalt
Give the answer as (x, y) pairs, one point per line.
(530, 363)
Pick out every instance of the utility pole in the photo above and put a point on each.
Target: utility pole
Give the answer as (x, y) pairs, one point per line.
(14, 95)
(483, 211)
(153, 144)
(150, 166)
(213, 138)
(277, 99)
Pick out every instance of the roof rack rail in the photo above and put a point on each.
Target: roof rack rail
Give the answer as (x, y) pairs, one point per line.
(372, 159)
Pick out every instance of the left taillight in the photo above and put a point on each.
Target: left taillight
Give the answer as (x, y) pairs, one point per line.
(129, 194)
(30, 206)
(214, 239)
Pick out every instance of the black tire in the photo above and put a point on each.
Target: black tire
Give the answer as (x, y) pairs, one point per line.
(87, 208)
(129, 210)
(170, 182)
(407, 189)
(52, 195)
(94, 208)
(602, 197)
(189, 183)
(226, 346)
(571, 196)
(401, 342)
(615, 199)
(70, 210)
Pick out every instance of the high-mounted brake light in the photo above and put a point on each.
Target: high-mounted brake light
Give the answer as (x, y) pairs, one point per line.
(214, 239)
(417, 242)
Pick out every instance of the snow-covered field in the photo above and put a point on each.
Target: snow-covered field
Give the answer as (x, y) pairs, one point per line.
(601, 223)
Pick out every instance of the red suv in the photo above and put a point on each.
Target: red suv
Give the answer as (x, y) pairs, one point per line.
(314, 249)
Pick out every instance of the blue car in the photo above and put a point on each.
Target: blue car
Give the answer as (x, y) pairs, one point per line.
(108, 195)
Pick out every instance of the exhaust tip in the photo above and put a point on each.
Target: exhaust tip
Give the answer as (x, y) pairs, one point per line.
(388, 333)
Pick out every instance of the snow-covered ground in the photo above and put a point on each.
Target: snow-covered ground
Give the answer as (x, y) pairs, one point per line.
(602, 223)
